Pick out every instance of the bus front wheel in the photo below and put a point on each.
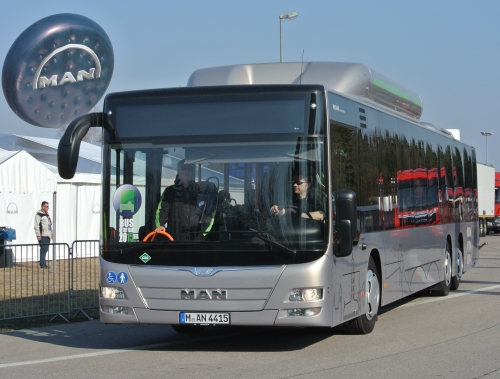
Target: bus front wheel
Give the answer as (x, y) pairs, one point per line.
(443, 287)
(365, 323)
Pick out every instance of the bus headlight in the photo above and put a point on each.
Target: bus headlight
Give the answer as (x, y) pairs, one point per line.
(306, 294)
(112, 293)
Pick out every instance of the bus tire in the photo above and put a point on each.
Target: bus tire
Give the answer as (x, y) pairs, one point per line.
(188, 329)
(365, 323)
(459, 264)
(443, 287)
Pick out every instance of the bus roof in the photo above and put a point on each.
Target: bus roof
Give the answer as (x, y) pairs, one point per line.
(353, 79)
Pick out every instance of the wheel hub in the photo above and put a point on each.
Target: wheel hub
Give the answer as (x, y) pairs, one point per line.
(447, 268)
(372, 295)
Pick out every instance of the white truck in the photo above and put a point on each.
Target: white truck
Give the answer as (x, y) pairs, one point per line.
(486, 197)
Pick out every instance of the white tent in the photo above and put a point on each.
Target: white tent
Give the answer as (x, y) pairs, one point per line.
(25, 183)
(81, 220)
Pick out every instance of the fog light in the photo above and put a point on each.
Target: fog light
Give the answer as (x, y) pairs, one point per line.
(112, 293)
(312, 312)
(306, 294)
(120, 310)
(114, 310)
(304, 312)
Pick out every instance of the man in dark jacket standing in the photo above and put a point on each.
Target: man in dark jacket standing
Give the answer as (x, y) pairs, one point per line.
(43, 231)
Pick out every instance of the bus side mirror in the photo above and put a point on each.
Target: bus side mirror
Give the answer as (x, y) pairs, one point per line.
(346, 222)
(69, 145)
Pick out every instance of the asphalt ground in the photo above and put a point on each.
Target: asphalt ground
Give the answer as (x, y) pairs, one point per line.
(457, 336)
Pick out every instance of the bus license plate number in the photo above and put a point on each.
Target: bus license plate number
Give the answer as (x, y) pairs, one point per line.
(204, 318)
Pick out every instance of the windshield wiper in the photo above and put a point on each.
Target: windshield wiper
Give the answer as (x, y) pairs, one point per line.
(258, 234)
(126, 250)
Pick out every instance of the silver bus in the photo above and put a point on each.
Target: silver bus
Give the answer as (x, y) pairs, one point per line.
(316, 197)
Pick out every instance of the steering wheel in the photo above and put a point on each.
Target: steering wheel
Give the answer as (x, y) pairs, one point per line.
(154, 233)
(295, 209)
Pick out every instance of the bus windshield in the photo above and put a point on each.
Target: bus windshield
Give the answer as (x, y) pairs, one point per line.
(217, 201)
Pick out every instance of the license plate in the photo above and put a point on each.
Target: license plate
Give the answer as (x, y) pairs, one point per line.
(204, 318)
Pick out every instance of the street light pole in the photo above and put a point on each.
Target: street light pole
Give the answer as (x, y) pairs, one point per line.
(281, 44)
(289, 16)
(487, 134)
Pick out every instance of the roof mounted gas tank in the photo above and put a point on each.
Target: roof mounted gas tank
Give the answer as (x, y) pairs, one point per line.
(352, 79)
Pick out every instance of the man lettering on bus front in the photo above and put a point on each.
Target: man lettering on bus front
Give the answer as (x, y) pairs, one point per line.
(182, 211)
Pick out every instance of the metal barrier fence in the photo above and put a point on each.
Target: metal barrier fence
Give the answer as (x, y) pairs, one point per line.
(68, 287)
(84, 290)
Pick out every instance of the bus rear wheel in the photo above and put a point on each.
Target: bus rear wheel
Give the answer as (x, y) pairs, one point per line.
(459, 262)
(365, 323)
(482, 227)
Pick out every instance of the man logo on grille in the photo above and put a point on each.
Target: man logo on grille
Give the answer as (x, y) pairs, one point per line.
(203, 294)
(204, 271)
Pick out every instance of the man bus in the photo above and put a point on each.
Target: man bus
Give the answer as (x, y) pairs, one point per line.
(349, 128)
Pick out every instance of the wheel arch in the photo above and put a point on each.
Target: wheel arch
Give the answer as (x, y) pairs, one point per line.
(448, 240)
(461, 247)
(461, 242)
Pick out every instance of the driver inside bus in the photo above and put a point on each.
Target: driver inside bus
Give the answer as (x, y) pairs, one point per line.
(183, 208)
(305, 203)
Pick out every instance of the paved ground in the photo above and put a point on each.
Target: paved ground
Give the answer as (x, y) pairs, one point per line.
(421, 337)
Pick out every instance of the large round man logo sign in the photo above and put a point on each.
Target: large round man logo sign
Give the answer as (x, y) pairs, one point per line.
(57, 70)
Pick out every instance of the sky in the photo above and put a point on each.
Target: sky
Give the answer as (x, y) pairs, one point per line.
(445, 50)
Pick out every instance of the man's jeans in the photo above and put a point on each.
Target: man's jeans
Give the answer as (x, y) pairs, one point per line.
(44, 248)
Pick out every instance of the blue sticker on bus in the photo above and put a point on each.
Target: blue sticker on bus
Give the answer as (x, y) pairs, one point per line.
(122, 277)
(111, 277)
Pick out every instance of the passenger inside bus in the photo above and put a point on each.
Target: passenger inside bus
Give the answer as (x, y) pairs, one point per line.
(306, 202)
(186, 208)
